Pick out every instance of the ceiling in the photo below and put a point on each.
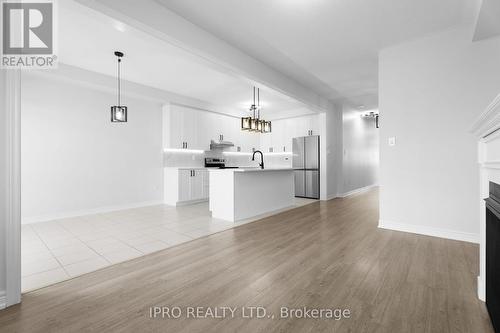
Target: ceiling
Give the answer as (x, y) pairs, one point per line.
(87, 39)
(329, 45)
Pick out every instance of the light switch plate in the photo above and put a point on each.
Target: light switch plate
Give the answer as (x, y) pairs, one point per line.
(392, 141)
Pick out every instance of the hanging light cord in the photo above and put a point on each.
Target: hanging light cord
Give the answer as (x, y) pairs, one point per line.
(258, 103)
(253, 107)
(119, 92)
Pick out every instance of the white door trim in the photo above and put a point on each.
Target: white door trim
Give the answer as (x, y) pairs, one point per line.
(13, 214)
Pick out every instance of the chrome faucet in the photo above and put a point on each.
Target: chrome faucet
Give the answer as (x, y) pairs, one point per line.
(261, 164)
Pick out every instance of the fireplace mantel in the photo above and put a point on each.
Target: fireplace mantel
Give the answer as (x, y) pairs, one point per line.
(487, 131)
(489, 121)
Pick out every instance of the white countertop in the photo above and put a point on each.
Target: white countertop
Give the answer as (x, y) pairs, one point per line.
(187, 168)
(252, 169)
(240, 169)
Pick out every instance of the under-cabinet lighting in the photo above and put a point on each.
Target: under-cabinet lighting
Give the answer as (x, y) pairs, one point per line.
(187, 151)
(280, 153)
(288, 153)
(238, 153)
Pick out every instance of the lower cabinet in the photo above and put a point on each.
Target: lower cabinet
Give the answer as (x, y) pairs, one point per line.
(185, 186)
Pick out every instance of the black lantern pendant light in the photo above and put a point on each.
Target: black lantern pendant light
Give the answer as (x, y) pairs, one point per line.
(373, 114)
(246, 122)
(265, 126)
(254, 123)
(119, 112)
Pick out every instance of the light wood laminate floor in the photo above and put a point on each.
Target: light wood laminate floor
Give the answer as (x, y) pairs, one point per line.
(323, 255)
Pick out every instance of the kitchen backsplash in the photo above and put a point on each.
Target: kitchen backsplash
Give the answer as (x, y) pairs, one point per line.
(194, 160)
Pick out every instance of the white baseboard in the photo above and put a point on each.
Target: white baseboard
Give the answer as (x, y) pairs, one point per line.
(430, 231)
(357, 191)
(330, 197)
(3, 300)
(50, 217)
(264, 215)
(187, 203)
(481, 290)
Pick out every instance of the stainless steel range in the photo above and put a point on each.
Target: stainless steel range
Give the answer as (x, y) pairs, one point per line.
(214, 162)
(217, 163)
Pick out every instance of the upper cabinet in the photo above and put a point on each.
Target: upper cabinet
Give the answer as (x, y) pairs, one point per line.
(246, 141)
(303, 126)
(187, 128)
(206, 128)
(284, 130)
(183, 128)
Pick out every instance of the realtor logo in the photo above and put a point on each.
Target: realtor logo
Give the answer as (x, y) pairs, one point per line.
(28, 34)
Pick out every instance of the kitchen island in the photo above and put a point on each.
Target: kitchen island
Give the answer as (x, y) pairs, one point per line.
(244, 193)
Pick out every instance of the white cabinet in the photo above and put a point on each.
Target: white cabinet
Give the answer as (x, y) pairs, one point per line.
(286, 138)
(183, 128)
(280, 134)
(205, 183)
(266, 141)
(176, 137)
(228, 129)
(184, 186)
(304, 126)
(251, 142)
(207, 124)
(194, 129)
(283, 132)
(197, 185)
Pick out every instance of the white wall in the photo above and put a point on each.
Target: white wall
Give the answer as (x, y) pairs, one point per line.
(430, 91)
(74, 160)
(360, 141)
(333, 150)
(3, 180)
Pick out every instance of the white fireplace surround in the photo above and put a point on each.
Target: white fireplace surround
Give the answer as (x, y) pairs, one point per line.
(487, 130)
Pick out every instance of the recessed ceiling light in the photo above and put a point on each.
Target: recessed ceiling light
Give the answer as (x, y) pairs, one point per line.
(119, 26)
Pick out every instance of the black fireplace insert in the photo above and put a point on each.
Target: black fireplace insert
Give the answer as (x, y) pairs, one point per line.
(493, 255)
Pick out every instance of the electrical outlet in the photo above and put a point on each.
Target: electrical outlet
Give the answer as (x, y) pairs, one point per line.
(392, 141)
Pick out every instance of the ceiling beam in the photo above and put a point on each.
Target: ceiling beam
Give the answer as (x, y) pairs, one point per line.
(154, 19)
(488, 20)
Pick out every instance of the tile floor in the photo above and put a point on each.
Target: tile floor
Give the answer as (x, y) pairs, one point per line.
(57, 250)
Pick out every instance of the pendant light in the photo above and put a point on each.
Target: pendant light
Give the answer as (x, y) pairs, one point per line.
(253, 123)
(265, 126)
(247, 122)
(256, 112)
(259, 122)
(372, 114)
(119, 112)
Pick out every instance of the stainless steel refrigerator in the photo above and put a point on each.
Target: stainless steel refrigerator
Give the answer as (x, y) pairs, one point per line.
(306, 166)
